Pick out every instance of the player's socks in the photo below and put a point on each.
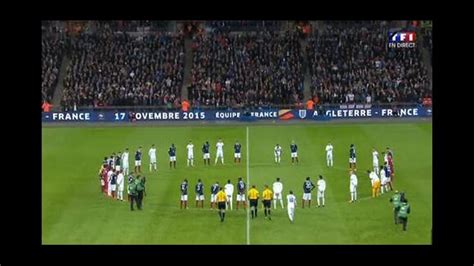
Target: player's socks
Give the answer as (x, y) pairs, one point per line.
(265, 211)
(323, 201)
(274, 204)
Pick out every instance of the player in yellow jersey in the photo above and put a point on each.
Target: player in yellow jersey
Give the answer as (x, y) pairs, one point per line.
(253, 200)
(267, 201)
(221, 200)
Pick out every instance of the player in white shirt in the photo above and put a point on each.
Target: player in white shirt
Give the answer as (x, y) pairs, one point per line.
(329, 160)
(291, 205)
(277, 193)
(190, 148)
(229, 192)
(385, 180)
(277, 153)
(375, 160)
(152, 155)
(353, 186)
(125, 163)
(220, 151)
(109, 179)
(120, 185)
(375, 181)
(321, 188)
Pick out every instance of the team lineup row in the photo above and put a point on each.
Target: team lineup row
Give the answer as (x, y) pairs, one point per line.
(121, 160)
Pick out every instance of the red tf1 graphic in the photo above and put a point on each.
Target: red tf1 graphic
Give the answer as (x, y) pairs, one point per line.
(402, 39)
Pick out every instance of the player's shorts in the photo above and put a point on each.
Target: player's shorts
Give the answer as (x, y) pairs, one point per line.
(320, 193)
(102, 182)
(277, 196)
(213, 197)
(329, 156)
(172, 158)
(138, 163)
(240, 197)
(120, 188)
(113, 187)
(384, 181)
(117, 168)
(152, 159)
(375, 164)
(220, 154)
(237, 155)
(184, 197)
(352, 188)
(376, 185)
(125, 166)
(352, 160)
(206, 156)
(199, 197)
(267, 203)
(190, 156)
(306, 196)
(229, 197)
(294, 154)
(221, 205)
(253, 203)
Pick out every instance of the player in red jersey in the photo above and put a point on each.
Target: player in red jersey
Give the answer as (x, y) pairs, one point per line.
(390, 164)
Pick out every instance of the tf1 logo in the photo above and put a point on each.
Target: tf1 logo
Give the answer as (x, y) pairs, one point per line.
(401, 39)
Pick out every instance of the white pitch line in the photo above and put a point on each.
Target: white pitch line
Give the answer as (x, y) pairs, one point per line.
(248, 176)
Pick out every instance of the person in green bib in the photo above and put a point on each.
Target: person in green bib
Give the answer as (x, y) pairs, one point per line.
(132, 191)
(396, 200)
(403, 213)
(140, 183)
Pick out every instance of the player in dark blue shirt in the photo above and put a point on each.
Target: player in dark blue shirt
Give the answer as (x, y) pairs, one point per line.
(184, 194)
(352, 157)
(294, 152)
(241, 193)
(214, 190)
(199, 193)
(172, 154)
(138, 160)
(237, 147)
(118, 160)
(308, 186)
(205, 152)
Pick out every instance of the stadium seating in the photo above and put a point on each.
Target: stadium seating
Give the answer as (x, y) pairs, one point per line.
(246, 69)
(350, 62)
(114, 69)
(52, 48)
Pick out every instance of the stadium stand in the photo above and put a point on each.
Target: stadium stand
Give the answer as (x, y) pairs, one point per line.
(234, 64)
(350, 63)
(52, 49)
(116, 69)
(246, 69)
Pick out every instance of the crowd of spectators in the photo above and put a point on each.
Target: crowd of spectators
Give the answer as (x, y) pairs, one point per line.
(351, 63)
(116, 69)
(244, 25)
(235, 64)
(52, 49)
(258, 69)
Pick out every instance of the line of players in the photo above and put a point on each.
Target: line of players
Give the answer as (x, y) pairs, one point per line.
(223, 196)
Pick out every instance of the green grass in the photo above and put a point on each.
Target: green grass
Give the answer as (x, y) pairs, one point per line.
(75, 212)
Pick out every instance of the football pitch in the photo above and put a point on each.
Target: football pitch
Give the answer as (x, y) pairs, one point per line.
(74, 211)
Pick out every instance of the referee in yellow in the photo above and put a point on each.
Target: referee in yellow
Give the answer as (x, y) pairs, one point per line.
(221, 200)
(253, 199)
(267, 201)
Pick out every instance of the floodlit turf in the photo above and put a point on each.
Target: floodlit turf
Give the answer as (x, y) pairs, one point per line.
(75, 212)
